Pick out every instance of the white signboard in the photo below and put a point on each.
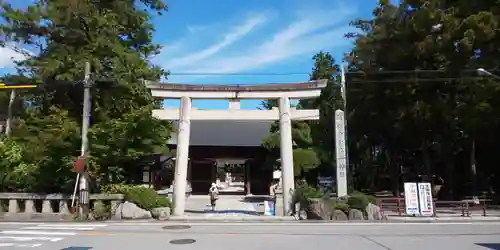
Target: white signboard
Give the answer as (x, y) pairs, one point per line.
(425, 199)
(411, 198)
(341, 157)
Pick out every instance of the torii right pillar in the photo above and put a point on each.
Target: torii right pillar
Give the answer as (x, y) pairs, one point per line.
(286, 147)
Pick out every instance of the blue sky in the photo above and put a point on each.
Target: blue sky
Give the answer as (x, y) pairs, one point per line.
(257, 36)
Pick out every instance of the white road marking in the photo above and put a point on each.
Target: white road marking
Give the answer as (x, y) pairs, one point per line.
(20, 238)
(36, 232)
(19, 245)
(53, 224)
(60, 228)
(71, 225)
(18, 223)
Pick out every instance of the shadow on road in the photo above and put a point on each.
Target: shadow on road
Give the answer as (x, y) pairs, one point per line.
(493, 246)
(77, 248)
(209, 211)
(255, 199)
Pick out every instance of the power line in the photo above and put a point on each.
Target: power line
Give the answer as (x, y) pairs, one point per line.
(380, 72)
(237, 74)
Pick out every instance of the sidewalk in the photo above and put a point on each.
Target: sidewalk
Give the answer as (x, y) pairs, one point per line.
(444, 219)
(227, 206)
(191, 218)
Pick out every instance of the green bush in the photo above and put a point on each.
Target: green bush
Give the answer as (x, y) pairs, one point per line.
(116, 188)
(358, 200)
(143, 197)
(100, 211)
(344, 207)
(305, 192)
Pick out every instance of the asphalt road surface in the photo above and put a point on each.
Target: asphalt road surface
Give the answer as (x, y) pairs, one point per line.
(250, 236)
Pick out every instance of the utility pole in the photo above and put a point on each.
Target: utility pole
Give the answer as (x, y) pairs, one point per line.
(84, 194)
(343, 89)
(8, 125)
(13, 87)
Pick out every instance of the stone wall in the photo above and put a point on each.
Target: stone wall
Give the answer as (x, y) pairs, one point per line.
(27, 205)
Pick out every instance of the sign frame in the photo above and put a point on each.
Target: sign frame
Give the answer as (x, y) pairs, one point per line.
(426, 203)
(412, 202)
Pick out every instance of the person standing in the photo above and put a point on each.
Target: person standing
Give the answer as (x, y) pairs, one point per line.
(214, 195)
(272, 192)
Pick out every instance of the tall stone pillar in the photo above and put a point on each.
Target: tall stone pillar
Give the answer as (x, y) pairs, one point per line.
(286, 146)
(341, 153)
(182, 157)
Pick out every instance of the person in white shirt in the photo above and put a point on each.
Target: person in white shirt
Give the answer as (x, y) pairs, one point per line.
(214, 195)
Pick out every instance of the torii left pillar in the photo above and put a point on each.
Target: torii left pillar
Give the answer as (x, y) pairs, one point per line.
(181, 163)
(286, 148)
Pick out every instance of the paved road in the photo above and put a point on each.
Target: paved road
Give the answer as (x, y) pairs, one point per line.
(250, 236)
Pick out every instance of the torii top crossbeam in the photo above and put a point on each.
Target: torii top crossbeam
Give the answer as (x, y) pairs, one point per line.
(300, 90)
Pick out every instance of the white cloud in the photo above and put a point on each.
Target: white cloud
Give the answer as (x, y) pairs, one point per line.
(234, 35)
(195, 28)
(8, 56)
(275, 51)
(307, 34)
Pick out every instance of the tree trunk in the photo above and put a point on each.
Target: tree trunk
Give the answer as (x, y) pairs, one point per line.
(473, 168)
(449, 179)
(427, 162)
(394, 173)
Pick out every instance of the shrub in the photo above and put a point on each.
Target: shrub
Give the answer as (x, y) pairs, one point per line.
(344, 207)
(305, 192)
(358, 200)
(144, 197)
(100, 211)
(116, 188)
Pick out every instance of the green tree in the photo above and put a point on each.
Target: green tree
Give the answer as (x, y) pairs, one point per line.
(415, 99)
(323, 132)
(15, 173)
(116, 38)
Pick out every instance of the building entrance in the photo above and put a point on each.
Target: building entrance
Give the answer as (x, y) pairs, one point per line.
(236, 170)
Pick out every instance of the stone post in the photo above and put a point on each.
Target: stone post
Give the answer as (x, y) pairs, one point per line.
(13, 207)
(29, 207)
(286, 147)
(182, 157)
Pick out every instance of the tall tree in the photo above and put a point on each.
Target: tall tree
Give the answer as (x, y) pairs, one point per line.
(323, 132)
(413, 76)
(116, 38)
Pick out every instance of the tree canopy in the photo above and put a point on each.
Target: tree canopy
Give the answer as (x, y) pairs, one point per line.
(417, 109)
(417, 105)
(115, 37)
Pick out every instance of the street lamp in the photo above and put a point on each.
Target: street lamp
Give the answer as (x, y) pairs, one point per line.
(482, 71)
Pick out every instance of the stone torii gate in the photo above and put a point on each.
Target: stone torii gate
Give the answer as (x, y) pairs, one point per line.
(234, 93)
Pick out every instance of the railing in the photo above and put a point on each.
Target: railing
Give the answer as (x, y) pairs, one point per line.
(464, 207)
(30, 203)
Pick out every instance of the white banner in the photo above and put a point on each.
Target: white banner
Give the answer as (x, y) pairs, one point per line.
(411, 198)
(425, 199)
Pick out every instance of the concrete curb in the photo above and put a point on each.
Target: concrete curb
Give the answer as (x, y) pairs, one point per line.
(231, 219)
(444, 219)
